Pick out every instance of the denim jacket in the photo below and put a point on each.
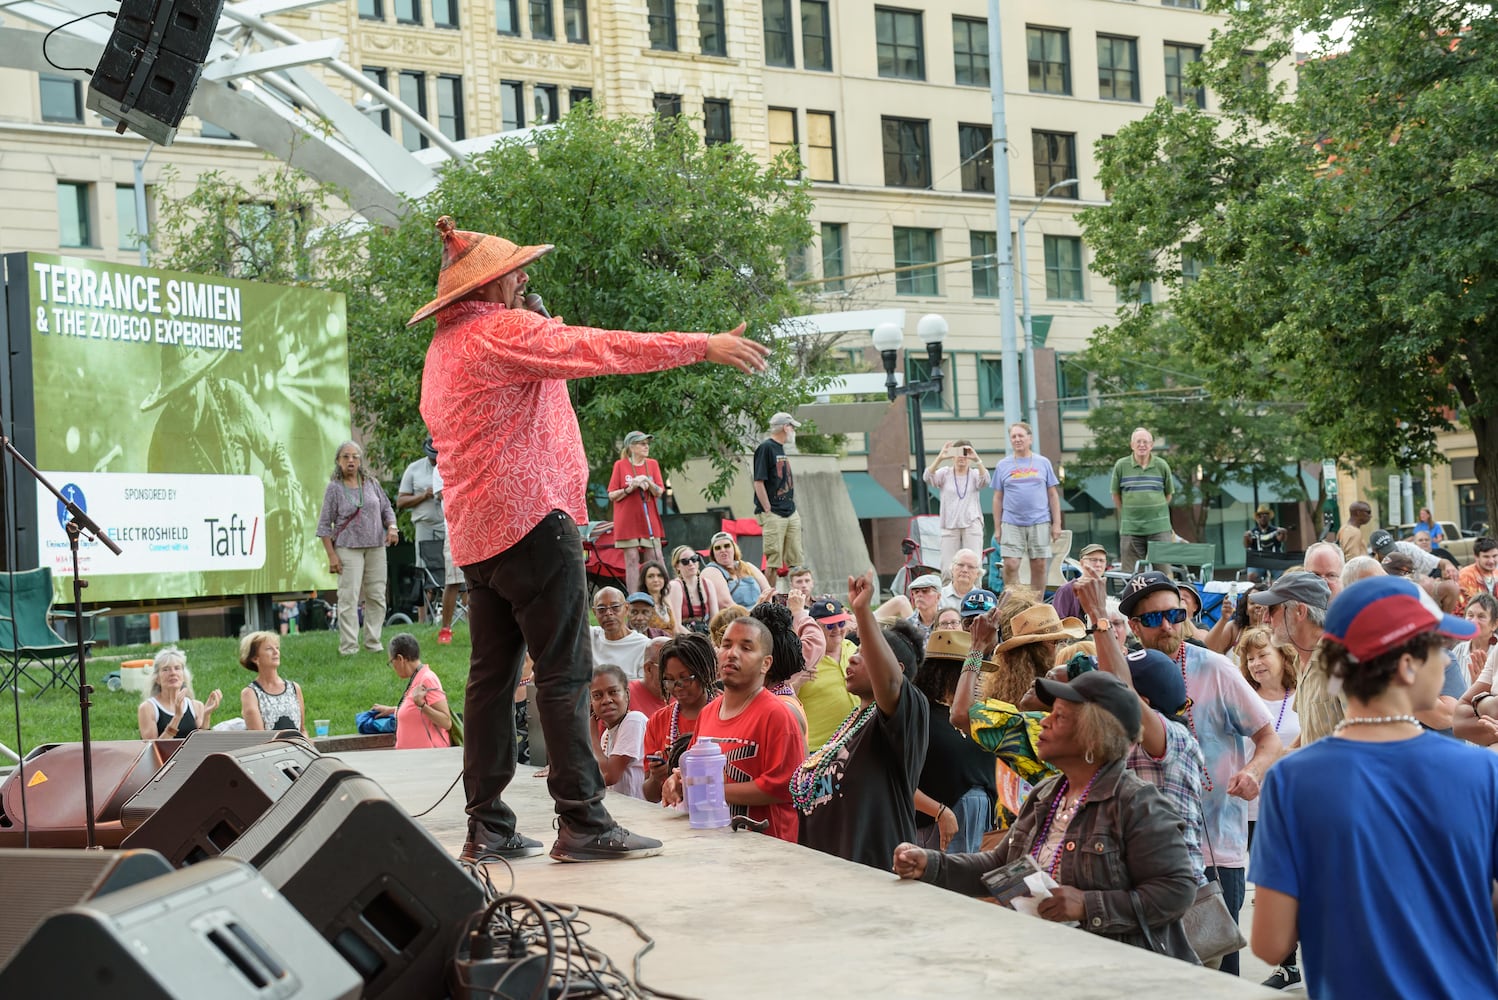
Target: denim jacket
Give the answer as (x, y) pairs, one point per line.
(1125, 838)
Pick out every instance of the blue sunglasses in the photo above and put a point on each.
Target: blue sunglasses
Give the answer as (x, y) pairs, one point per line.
(1153, 619)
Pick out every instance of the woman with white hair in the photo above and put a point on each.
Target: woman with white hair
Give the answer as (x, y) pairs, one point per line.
(169, 710)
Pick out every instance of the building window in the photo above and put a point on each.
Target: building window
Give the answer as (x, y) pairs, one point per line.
(780, 44)
(984, 247)
(1117, 68)
(1177, 58)
(380, 115)
(834, 238)
(372, 10)
(1139, 293)
(816, 35)
(543, 20)
(75, 224)
(62, 99)
(544, 103)
(990, 385)
(821, 147)
(511, 105)
(1194, 260)
(1049, 52)
(907, 160)
(507, 17)
(918, 369)
(797, 265)
(450, 106)
(912, 247)
(667, 105)
(445, 13)
(663, 25)
(710, 28)
(783, 134)
(1071, 386)
(575, 20)
(127, 218)
(901, 52)
(1188, 4)
(413, 94)
(717, 122)
(975, 144)
(408, 11)
(1055, 161)
(970, 51)
(577, 95)
(1063, 267)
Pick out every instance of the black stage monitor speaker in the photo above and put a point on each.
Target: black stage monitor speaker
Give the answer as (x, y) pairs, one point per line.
(212, 930)
(38, 882)
(220, 799)
(151, 64)
(372, 882)
(181, 765)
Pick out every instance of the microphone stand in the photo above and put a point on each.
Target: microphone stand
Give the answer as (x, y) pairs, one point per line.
(78, 523)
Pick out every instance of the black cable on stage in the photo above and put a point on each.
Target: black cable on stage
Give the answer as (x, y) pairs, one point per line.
(445, 794)
(47, 37)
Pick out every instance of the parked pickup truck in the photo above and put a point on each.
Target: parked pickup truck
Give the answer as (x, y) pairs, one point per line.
(1455, 542)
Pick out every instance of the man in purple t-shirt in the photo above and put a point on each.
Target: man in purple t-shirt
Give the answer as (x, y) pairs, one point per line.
(1026, 508)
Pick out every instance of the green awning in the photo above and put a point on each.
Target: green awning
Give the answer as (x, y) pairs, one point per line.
(870, 500)
(1094, 489)
(1243, 490)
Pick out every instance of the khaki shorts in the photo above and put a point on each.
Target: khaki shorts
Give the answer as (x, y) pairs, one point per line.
(1032, 541)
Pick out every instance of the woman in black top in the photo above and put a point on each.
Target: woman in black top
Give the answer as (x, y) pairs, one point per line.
(169, 710)
(955, 800)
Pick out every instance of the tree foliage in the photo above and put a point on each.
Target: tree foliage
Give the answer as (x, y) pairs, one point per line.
(1348, 220)
(653, 231)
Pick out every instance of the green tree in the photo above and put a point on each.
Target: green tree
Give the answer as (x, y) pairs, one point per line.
(1349, 222)
(653, 231)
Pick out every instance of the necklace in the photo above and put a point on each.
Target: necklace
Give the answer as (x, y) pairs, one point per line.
(783, 690)
(1283, 702)
(1190, 718)
(1068, 813)
(808, 776)
(963, 486)
(1375, 720)
(354, 497)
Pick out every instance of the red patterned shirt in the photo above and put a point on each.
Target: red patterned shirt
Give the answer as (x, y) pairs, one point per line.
(494, 398)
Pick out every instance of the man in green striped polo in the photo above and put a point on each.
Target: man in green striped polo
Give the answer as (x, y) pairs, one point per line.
(1141, 488)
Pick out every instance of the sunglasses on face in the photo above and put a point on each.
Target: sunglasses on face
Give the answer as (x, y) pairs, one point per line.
(1153, 619)
(686, 561)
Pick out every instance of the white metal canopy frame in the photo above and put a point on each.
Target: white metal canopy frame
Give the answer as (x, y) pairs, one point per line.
(266, 85)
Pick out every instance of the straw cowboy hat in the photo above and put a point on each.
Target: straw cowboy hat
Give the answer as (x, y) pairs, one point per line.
(1040, 624)
(472, 260)
(950, 644)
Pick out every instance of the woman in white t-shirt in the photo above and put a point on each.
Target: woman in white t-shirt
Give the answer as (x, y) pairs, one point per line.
(961, 513)
(1475, 654)
(1269, 668)
(620, 748)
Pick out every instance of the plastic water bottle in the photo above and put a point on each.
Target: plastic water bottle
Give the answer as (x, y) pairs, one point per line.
(702, 780)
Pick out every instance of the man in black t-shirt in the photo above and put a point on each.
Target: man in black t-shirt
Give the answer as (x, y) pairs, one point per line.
(775, 499)
(856, 795)
(1264, 535)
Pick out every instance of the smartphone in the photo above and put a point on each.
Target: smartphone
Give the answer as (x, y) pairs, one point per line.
(781, 598)
(655, 758)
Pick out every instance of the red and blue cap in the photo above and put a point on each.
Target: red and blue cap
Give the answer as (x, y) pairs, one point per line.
(1380, 613)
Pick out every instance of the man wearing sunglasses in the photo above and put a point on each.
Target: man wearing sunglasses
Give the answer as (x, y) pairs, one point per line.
(1230, 722)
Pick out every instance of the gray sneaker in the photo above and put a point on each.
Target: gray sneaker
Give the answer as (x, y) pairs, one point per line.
(483, 845)
(615, 843)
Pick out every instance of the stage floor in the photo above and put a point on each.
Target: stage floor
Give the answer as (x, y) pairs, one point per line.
(744, 915)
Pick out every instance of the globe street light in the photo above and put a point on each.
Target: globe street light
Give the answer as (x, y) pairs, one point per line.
(887, 338)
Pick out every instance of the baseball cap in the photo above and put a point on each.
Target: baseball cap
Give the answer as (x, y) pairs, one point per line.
(1379, 613)
(1088, 550)
(1307, 588)
(1380, 541)
(1158, 678)
(977, 602)
(1140, 586)
(782, 418)
(925, 580)
(635, 437)
(828, 612)
(1099, 688)
(639, 597)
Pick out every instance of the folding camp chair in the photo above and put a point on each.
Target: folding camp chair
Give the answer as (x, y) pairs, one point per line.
(432, 570)
(922, 548)
(33, 649)
(1184, 556)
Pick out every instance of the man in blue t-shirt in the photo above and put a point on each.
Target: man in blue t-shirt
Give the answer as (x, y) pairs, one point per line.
(1379, 846)
(1026, 509)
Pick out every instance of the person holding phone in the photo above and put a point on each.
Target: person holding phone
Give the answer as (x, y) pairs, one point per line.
(961, 513)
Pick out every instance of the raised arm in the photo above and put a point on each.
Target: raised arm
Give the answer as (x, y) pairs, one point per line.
(878, 659)
(1092, 595)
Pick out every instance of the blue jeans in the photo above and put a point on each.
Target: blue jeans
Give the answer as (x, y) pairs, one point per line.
(974, 813)
(1234, 888)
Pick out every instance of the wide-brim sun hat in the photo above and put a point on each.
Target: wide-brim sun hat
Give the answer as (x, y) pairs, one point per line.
(1040, 624)
(953, 644)
(472, 260)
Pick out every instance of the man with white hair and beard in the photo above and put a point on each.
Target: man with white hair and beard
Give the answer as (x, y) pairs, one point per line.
(1230, 723)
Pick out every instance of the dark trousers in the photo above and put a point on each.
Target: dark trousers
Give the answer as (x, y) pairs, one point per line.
(532, 596)
(1234, 888)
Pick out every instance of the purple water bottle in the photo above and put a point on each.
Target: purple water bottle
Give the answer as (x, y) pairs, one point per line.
(702, 779)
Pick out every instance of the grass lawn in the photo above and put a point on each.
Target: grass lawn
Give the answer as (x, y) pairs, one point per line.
(336, 688)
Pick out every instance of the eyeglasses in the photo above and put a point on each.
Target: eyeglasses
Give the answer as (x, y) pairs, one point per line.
(835, 626)
(686, 561)
(1154, 619)
(612, 608)
(725, 547)
(668, 682)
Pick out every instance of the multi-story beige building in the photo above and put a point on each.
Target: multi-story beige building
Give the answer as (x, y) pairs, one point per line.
(888, 106)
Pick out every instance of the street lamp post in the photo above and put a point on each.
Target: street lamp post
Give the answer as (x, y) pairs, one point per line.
(1024, 291)
(888, 337)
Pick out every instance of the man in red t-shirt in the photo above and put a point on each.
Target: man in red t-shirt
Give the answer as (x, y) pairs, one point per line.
(755, 731)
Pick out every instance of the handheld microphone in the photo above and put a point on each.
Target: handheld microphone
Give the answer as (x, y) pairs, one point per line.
(534, 304)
